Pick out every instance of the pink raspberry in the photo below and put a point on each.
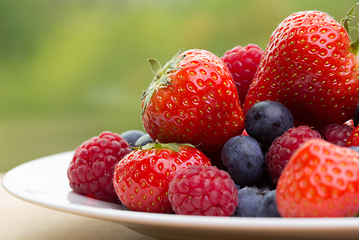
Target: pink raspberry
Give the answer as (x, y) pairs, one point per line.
(243, 62)
(336, 133)
(92, 167)
(201, 190)
(284, 146)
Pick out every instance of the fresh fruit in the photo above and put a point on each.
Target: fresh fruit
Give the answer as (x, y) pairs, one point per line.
(90, 171)
(267, 207)
(243, 62)
(306, 78)
(143, 140)
(243, 158)
(355, 148)
(336, 133)
(215, 157)
(349, 123)
(248, 200)
(265, 183)
(244, 133)
(267, 120)
(192, 99)
(353, 139)
(320, 180)
(131, 136)
(141, 178)
(284, 146)
(310, 65)
(201, 190)
(356, 117)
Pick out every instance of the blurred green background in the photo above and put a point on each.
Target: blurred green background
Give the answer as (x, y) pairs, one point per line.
(72, 69)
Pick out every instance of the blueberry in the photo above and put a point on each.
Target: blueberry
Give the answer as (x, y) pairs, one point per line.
(248, 200)
(243, 158)
(267, 207)
(131, 136)
(356, 117)
(266, 183)
(142, 141)
(355, 148)
(267, 120)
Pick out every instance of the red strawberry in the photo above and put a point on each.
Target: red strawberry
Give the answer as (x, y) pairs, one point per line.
(349, 123)
(192, 99)
(243, 62)
(141, 178)
(320, 180)
(353, 139)
(90, 172)
(310, 66)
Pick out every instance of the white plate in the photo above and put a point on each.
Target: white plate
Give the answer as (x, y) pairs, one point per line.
(44, 182)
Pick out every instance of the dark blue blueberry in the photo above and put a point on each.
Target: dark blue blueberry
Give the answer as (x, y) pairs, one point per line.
(243, 158)
(267, 120)
(131, 136)
(142, 141)
(356, 116)
(355, 148)
(267, 207)
(248, 200)
(266, 183)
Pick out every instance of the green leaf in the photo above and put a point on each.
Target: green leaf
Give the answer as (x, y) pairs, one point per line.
(170, 146)
(161, 78)
(155, 65)
(354, 47)
(350, 18)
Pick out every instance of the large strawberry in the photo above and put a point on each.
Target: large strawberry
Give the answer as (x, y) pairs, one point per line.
(353, 139)
(192, 99)
(320, 180)
(141, 178)
(310, 66)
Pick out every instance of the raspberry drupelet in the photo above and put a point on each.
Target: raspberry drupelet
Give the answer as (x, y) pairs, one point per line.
(201, 190)
(284, 146)
(91, 170)
(242, 62)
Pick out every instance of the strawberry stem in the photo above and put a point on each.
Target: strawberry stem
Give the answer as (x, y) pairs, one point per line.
(349, 18)
(161, 78)
(171, 146)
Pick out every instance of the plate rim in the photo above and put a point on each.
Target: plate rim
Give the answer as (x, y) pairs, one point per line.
(130, 218)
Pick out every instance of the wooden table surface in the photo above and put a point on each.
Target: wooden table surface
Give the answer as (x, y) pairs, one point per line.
(21, 220)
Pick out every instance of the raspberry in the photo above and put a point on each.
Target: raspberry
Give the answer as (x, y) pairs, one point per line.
(201, 190)
(243, 62)
(284, 146)
(336, 133)
(91, 170)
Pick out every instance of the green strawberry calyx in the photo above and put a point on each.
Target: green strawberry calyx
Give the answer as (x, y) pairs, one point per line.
(350, 18)
(171, 146)
(161, 78)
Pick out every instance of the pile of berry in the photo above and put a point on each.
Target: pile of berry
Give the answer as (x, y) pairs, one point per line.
(253, 133)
